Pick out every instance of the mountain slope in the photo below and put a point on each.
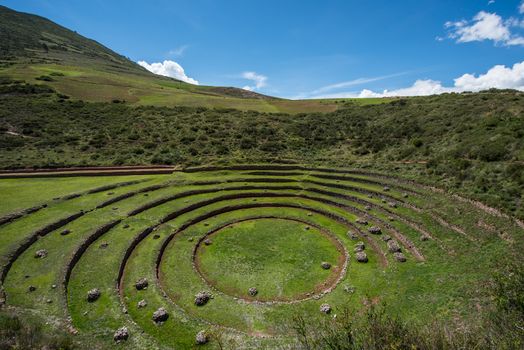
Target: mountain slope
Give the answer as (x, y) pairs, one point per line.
(33, 48)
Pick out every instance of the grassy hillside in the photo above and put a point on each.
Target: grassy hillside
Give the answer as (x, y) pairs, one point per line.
(469, 142)
(35, 49)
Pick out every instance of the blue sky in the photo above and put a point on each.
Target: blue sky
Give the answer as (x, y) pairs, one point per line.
(305, 49)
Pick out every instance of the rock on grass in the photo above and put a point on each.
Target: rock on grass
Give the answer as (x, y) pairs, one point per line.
(121, 334)
(201, 338)
(202, 298)
(160, 315)
(93, 295)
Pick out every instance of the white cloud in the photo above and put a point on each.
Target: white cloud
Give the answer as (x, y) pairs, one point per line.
(259, 81)
(178, 51)
(484, 26)
(500, 77)
(521, 7)
(168, 68)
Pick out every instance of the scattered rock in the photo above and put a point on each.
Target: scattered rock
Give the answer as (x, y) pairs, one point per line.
(361, 257)
(325, 265)
(115, 208)
(156, 236)
(391, 218)
(142, 303)
(386, 188)
(146, 194)
(207, 242)
(206, 223)
(160, 315)
(40, 254)
(307, 228)
(386, 238)
(352, 235)
(360, 246)
(392, 204)
(405, 195)
(126, 226)
(399, 257)
(190, 239)
(309, 214)
(121, 334)
(31, 288)
(424, 238)
(27, 276)
(361, 221)
(325, 308)
(201, 338)
(65, 232)
(202, 298)
(368, 207)
(53, 286)
(252, 291)
(104, 245)
(49, 301)
(393, 246)
(110, 193)
(141, 283)
(383, 200)
(375, 230)
(93, 295)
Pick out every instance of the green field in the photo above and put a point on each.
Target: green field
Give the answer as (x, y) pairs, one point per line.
(155, 227)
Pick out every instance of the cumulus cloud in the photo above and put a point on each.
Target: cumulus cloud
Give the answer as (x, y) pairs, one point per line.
(259, 81)
(168, 68)
(521, 7)
(500, 77)
(484, 26)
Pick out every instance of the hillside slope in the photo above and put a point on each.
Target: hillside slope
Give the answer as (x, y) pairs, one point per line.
(35, 49)
(467, 142)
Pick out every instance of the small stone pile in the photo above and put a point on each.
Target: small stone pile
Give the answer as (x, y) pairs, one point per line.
(393, 246)
(361, 257)
(142, 303)
(361, 221)
(40, 254)
(121, 334)
(202, 298)
(201, 338)
(160, 315)
(325, 308)
(352, 235)
(386, 238)
(207, 242)
(93, 295)
(325, 265)
(399, 257)
(65, 232)
(141, 284)
(360, 246)
(375, 230)
(252, 291)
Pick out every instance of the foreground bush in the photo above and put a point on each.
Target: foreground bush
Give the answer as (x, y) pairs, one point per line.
(499, 326)
(18, 333)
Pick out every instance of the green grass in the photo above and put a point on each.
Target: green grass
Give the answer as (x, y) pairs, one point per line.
(277, 256)
(280, 257)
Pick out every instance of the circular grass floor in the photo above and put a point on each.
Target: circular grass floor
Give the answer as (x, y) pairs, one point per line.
(280, 258)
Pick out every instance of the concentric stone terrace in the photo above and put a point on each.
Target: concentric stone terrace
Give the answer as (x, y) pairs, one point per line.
(183, 260)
